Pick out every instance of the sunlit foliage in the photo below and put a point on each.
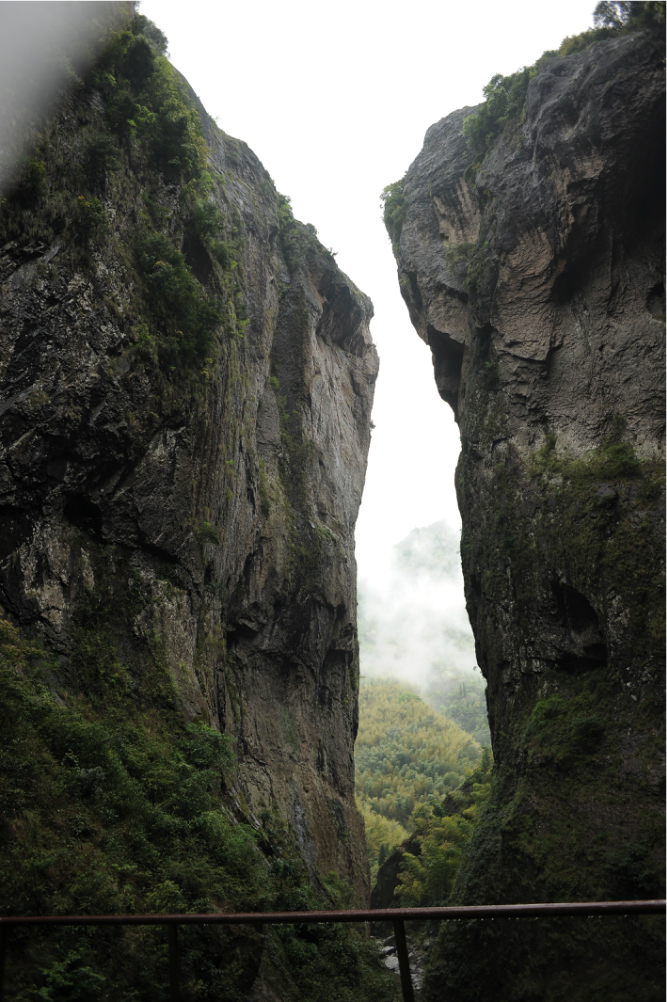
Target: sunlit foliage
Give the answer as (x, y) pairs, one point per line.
(406, 752)
(382, 836)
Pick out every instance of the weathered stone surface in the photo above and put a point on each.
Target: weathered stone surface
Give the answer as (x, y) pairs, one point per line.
(228, 492)
(538, 282)
(382, 895)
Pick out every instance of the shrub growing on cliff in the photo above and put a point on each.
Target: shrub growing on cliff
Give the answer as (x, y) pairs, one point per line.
(113, 807)
(629, 16)
(175, 298)
(92, 218)
(297, 240)
(504, 97)
(147, 103)
(100, 160)
(202, 240)
(116, 804)
(31, 183)
(180, 261)
(393, 211)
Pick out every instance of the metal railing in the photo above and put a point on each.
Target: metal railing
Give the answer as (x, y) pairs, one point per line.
(398, 916)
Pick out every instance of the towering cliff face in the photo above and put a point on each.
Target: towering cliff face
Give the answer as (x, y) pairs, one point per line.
(187, 385)
(537, 279)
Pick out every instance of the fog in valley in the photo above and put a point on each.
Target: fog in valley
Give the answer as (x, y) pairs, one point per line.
(414, 628)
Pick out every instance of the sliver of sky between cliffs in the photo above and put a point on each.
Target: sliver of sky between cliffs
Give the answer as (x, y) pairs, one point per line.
(335, 98)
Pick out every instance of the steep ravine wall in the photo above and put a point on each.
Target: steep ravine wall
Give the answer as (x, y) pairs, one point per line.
(537, 279)
(177, 492)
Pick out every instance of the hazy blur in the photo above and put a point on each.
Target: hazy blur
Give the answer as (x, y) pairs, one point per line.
(414, 626)
(44, 48)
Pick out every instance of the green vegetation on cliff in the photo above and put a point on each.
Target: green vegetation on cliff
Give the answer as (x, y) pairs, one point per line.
(600, 533)
(504, 96)
(118, 794)
(112, 803)
(393, 211)
(561, 488)
(185, 286)
(561, 822)
(533, 841)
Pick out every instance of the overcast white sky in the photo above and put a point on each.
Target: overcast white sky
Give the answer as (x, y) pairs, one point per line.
(335, 99)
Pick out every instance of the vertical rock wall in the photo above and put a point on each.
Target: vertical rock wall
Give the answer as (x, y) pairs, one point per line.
(219, 489)
(537, 279)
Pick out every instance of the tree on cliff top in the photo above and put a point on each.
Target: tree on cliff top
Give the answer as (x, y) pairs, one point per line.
(628, 16)
(504, 97)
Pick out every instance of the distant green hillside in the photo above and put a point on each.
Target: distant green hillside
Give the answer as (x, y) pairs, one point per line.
(407, 755)
(462, 700)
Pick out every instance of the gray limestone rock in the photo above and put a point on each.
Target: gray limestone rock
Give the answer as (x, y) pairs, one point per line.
(221, 493)
(537, 279)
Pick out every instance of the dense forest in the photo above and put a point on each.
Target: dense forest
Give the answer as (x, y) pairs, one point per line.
(410, 759)
(464, 701)
(441, 830)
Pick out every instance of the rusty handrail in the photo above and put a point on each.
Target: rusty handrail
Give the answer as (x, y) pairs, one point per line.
(351, 915)
(395, 915)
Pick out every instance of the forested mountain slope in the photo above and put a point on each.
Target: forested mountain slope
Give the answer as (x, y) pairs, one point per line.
(407, 755)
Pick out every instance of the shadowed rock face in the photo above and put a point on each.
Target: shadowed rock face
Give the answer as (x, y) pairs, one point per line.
(538, 281)
(224, 493)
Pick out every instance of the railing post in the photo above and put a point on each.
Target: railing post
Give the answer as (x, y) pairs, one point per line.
(4, 936)
(174, 987)
(403, 960)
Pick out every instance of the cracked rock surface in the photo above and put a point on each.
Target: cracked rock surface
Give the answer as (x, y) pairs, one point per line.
(222, 496)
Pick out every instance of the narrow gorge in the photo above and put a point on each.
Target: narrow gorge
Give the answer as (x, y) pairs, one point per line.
(187, 379)
(530, 251)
